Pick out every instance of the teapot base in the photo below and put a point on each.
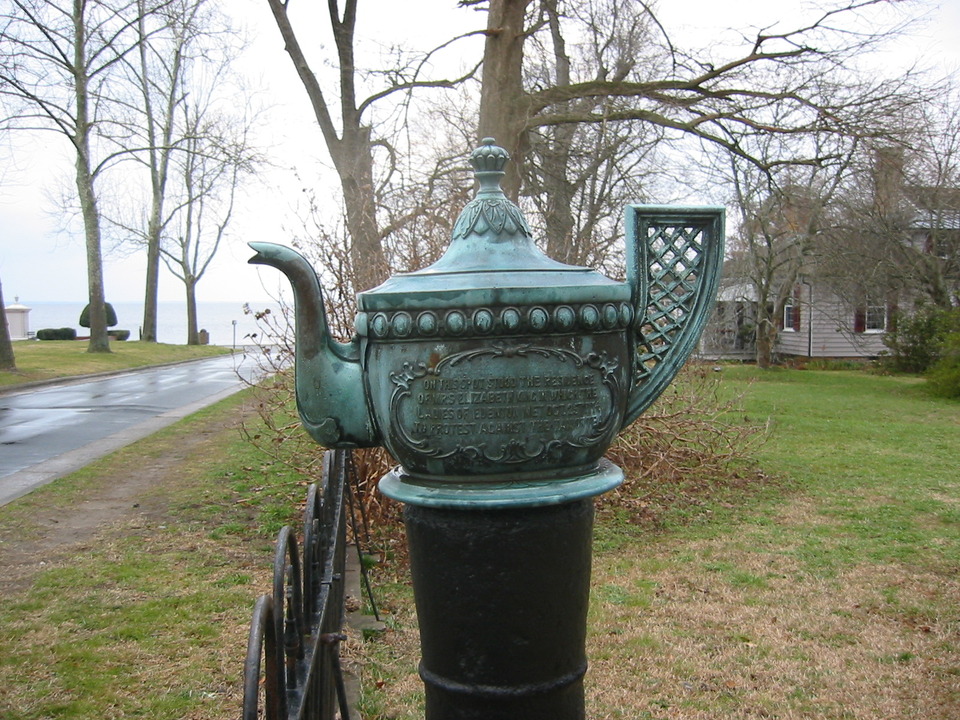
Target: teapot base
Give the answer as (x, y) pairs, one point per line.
(495, 493)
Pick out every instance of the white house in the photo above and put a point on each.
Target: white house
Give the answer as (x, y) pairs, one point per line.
(818, 324)
(819, 320)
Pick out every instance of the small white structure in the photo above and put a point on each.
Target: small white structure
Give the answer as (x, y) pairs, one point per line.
(18, 320)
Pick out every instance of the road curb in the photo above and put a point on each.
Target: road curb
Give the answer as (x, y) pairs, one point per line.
(360, 623)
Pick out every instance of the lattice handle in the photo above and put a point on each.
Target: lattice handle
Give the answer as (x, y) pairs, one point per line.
(674, 258)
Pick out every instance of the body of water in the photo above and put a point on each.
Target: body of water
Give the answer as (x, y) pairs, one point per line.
(216, 318)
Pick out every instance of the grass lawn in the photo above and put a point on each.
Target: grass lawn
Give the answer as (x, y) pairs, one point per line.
(123, 602)
(51, 359)
(830, 590)
(833, 592)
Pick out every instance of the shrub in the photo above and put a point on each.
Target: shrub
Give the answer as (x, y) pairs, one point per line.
(119, 334)
(57, 334)
(694, 440)
(111, 316)
(944, 377)
(832, 364)
(915, 343)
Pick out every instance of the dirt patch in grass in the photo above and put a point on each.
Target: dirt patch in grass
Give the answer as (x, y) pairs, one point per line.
(124, 495)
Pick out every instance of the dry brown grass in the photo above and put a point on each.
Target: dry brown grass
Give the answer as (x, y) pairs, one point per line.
(741, 626)
(693, 445)
(717, 628)
(797, 647)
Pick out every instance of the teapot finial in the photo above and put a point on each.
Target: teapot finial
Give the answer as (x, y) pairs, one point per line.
(491, 215)
(489, 157)
(488, 162)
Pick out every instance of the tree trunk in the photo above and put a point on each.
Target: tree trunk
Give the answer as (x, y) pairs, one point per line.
(159, 139)
(7, 360)
(352, 155)
(99, 342)
(193, 334)
(353, 159)
(766, 336)
(351, 152)
(148, 333)
(558, 204)
(503, 102)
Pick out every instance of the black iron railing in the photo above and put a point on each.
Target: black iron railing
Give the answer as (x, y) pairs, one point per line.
(293, 668)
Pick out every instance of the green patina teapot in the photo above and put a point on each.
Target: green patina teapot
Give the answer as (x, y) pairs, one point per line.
(497, 375)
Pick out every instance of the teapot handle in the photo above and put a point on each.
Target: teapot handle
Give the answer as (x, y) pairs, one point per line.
(674, 259)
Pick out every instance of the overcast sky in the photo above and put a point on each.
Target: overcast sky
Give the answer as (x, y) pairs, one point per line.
(38, 263)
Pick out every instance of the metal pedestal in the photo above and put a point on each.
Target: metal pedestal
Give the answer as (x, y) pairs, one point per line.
(502, 599)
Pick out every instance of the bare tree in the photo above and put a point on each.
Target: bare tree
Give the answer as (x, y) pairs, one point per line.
(216, 155)
(899, 230)
(582, 94)
(187, 40)
(159, 77)
(8, 361)
(417, 213)
(158, 73)
(348, 132)
(784, 83)
(785, 114)
(787, 220)
(59, 64)
(579, 176)
(775, 242)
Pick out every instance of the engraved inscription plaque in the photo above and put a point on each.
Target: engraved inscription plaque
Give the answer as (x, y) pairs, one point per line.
(510, 402)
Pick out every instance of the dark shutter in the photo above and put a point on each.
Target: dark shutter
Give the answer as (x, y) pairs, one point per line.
(795, 320)
(860, 320)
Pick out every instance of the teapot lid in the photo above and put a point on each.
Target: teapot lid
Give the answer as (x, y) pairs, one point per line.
(492, 258)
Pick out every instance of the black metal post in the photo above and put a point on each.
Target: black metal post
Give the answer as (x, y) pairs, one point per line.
(502, 599)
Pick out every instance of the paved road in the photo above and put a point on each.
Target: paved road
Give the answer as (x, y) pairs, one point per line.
(48, 432)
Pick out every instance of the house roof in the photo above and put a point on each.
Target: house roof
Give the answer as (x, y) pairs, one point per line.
(737, 292)
(934, 207)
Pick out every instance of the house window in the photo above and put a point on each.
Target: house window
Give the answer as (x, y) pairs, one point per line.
(791, 312)
(876, 320)
(871, 319)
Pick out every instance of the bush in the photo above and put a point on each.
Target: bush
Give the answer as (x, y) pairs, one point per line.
(119, 334)
(916, 341)
(57, 334)
(944, 377)
(692, 442)
(111, 316)
(832, 364)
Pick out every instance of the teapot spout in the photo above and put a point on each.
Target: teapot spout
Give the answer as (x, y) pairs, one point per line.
(329, 383)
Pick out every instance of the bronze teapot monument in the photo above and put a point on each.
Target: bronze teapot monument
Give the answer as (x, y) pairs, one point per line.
(497, 378)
